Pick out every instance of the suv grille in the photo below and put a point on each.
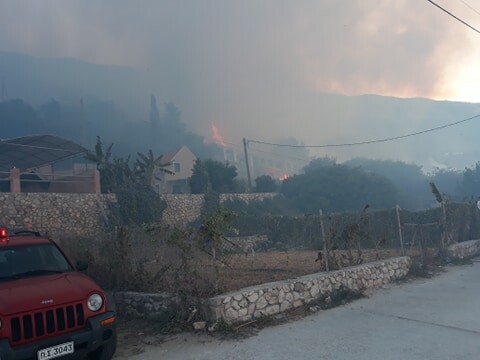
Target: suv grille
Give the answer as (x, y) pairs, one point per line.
(46, 322)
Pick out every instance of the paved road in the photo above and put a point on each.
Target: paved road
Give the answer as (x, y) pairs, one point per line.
(425, 319)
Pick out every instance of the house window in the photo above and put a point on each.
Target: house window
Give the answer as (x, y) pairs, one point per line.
(176, 167)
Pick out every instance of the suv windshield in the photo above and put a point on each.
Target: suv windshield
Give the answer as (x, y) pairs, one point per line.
(32, 260)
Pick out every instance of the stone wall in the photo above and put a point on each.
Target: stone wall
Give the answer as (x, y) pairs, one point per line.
(161, 307)
(248, 197)
(273, 298)
(182, 208)
(86, 214)
(464, 249)
(54, 213)
(185, 208)
(267, 299)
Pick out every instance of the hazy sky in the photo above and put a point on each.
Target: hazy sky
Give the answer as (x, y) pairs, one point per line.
(398, 47)
(256, 61)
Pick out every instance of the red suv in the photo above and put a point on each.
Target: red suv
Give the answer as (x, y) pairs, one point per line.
(48, 308)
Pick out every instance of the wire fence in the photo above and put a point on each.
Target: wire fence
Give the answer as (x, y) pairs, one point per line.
(203, 261)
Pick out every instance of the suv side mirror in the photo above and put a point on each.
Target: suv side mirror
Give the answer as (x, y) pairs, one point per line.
(82, 265)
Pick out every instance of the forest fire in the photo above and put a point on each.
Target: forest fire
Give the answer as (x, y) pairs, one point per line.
(217, 136)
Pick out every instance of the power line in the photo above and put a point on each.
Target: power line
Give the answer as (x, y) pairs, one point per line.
(279, 155)
(236, 146)
(470, 6)
(370, 141)
(39, 147)
(452, 15)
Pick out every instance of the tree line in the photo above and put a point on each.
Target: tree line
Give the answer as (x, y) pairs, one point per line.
(162, 131)
(325, 184)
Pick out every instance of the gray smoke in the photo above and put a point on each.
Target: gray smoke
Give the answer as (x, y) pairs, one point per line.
(256, 68)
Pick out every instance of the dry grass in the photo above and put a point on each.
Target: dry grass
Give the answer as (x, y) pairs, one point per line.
(243, 271)
(187, 269)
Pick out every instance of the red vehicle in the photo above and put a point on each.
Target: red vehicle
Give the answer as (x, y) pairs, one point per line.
(48, 308)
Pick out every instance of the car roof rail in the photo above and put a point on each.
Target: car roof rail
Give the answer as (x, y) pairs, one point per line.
(27, 232)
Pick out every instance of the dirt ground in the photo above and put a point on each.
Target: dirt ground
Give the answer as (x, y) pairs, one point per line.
(135, 334)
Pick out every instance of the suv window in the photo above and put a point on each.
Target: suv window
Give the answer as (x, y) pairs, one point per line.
(25, 261)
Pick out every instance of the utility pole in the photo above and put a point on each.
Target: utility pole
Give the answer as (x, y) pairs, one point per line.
(247, 163)
(84, 125)
(397, 210)
(325, 247)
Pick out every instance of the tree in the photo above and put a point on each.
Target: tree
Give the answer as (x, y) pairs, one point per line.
(339, 188)
(138, 202)
(172, 113)
(447, 180)
(171, 118)
(199, 182)
(121, 174)
(221, 175)
(265, 183)
(470, 186)
(102, 158)
(18, 119)
(408, 178)
(319, 163)
(212, 174)
(147, 165)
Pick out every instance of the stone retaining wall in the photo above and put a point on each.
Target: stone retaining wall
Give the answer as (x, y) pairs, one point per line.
(56, 213)
(161, 307)
(465, 249)
(273, 298)
(267, 299)
(247, 198)
(86, 214)
(182, 208)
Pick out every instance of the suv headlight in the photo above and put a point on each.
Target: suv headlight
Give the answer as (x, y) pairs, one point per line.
(95, 302)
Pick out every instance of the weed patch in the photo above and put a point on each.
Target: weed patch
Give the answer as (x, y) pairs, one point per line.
(340, 297)
(461, 262)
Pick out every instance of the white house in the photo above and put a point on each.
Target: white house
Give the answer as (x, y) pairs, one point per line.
(182, 161)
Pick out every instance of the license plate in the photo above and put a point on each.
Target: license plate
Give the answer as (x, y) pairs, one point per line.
(56, 351)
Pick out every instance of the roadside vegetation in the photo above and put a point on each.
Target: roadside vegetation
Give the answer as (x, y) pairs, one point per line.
(210, 256)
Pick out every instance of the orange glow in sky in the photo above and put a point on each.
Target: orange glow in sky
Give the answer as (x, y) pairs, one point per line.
(463, 79)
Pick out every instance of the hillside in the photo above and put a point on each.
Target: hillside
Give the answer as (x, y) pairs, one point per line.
(313, 118)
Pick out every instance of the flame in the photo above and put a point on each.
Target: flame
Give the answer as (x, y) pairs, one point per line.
(216, 136)
(283, 177)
